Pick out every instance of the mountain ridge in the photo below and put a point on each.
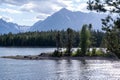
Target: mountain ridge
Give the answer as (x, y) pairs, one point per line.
(61, 20)
(7, 27)
(64, 19)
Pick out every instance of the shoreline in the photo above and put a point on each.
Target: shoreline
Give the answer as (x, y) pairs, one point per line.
(38, 57)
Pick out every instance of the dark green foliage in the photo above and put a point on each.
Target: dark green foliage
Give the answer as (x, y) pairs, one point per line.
(58, 41)
(69, 41)
(93, 51)
(78, 52)
(110, 25)
(44, 39)
(33, 39)
(85, 39)
(100, 5)
(112, 42)
(56, 53)
(97, 53)
(29, 39)
(96, 38)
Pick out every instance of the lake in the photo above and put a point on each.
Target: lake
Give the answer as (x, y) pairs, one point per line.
(11, 69)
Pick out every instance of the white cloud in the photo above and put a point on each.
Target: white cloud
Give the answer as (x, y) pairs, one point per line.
(39, 8)
(8, 10)
(41, 16)
(35, 19)
(14, 2)
(47, 6)
(82, 7)
(31, 20)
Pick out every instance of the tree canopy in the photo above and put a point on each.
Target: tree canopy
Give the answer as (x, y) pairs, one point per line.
(45, 39)
(85, 39)
(110, 25)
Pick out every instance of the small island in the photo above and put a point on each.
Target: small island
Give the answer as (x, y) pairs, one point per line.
(47, 56)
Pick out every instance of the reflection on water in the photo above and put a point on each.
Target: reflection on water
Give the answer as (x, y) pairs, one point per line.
(55, 69)
(59, 70)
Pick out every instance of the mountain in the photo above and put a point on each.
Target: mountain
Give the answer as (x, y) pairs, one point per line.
(64, 19)
(6, 27)
(60, 20)
(23, 28)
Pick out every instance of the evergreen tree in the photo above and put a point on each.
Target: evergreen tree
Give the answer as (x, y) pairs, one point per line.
(85, 39)
(69, 41)
(110, 26)
(45, 39)
(58, 41)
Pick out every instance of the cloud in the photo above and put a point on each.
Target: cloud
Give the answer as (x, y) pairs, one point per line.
(6, 18)
(82, 7)
(8, 10)
(46, 6)
(38, 9)
(41, 16)
(14, 2)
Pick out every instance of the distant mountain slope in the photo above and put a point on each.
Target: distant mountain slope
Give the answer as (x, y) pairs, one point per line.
(66, 18)
(6, 27)
(60, 20)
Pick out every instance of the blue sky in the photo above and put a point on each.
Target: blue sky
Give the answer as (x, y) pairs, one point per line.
(27, 12)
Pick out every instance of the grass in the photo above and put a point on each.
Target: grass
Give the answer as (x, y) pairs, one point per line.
(93, 53)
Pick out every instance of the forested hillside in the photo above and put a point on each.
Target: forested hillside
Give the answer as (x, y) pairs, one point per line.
(45, 39)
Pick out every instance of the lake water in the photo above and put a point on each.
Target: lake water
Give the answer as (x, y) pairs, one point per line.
(11, 69)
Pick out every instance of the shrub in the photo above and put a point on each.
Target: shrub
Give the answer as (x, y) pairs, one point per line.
(94, 52)
(56, 53)
(99, 53)
(89, 53)
(77, 53)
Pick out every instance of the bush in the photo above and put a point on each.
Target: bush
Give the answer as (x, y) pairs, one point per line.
(94, 52)
(89, 53)
(77, 53)
(56, 53)
(99, 53)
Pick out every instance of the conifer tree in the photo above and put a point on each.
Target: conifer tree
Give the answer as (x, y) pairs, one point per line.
(111, 26)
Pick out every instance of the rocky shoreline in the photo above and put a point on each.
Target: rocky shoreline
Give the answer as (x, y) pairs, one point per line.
(46, 56)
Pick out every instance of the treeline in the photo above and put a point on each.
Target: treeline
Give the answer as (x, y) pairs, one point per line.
(45, 39)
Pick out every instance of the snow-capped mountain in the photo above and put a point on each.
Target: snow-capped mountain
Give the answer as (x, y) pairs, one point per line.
(64, 19)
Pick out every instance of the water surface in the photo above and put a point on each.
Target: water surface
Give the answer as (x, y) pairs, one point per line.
(7, 51)
(11, 69)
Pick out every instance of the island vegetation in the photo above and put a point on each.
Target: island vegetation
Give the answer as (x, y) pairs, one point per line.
(108, 41)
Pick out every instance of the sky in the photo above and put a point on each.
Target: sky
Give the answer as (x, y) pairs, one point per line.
(27, 12)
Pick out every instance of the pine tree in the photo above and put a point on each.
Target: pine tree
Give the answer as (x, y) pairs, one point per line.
(69, 41)
(58, 41)
(110, 26)
(85, 40)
